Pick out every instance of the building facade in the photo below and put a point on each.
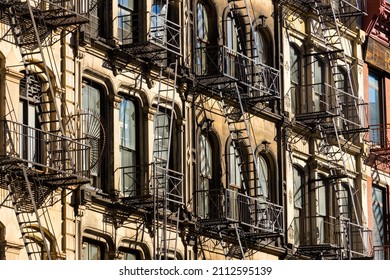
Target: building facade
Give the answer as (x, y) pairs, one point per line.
(183, 130)
(376, 75)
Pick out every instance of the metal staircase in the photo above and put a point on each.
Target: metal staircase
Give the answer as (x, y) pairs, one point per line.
(31, 181)
(338, 121)
(167, 182)
(240, 82)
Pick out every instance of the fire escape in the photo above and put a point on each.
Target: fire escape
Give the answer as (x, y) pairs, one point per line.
(239, 221)
(379, 154)
(155, 50)
(334, 125)
(53, 160)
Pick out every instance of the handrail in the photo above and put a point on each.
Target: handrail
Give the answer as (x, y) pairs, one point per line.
(45, 149)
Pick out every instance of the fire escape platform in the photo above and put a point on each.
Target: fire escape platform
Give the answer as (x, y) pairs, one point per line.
(51, 178)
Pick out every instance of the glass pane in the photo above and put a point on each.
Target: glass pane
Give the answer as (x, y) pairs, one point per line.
(321, 196)
(379, 220)
(234, 169)
(205, 157)
(298, 185)
(375, 107)
(318, 74)
(161, 142)
(127, 124)
(263, 173)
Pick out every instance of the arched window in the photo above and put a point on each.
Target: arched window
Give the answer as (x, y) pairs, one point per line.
(128, 147)
(299, 195)
(206, 176)
(295, 80)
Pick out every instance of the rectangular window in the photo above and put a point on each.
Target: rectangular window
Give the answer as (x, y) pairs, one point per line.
(379, 219)
(125, 21)
(127, 128)
(318, 85)
(91, 105)
(375, 109)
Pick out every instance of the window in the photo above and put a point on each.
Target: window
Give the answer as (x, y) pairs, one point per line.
(318, 85)
(92, 250)
(31, 136)
(162, 138)
(96, 12)
(232, 48)
(129, 254)
(342, 86)
(128, 147)
(298, 188)
(376, 108)
(158, 21)
(206, 176)
(263, 188)
(92, 111)
(234, 168)
(202, 39)
(261, 55)
(295, 80)
(379, 219)
(125, 21)
(322, 208)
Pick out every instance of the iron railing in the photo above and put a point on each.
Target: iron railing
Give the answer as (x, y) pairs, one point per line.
(162, 32)
(44, 150)
(352, 240)
(214, 62)
(232, 206)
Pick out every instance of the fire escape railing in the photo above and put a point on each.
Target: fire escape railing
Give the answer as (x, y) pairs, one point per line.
(233, 207)
(44, 150)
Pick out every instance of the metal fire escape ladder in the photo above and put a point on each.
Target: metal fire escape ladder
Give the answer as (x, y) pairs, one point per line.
(30, 221)
(168, 182)
(30, 188)
(167, 189)
(336, 155)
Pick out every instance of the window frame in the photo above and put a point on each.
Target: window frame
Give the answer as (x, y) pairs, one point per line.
(296, 86)
(299, 210)
(133, 170)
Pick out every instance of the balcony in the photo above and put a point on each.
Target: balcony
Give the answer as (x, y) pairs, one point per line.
(218, 210)
(141, 191)
(378, 140)
(324, 237)
(218, 67)
(56, 160)
(162, 38)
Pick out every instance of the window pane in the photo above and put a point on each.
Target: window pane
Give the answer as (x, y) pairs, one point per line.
(205, 157)
(298, 185)
(91, 251)
(318, 74)
(161, 144)
(378, 203)
(127, 124)
(321, 196)
(263, 174)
